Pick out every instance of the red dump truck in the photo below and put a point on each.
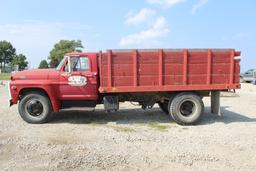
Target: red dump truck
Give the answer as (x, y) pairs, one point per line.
(175, 79)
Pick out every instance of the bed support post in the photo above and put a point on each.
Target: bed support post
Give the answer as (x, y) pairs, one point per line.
(215, 103)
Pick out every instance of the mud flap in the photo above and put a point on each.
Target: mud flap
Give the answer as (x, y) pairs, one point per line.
(111, 103)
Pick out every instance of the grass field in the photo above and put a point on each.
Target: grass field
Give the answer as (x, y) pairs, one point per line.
(5, 76)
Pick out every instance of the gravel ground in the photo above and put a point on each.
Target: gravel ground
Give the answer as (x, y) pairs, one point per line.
(132, 139)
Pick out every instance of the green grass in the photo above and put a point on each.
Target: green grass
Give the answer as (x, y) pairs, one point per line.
(159, 127)
(122, 129)
(115, 127)
(5, 76)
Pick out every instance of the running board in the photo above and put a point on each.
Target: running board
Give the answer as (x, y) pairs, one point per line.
(89, 109)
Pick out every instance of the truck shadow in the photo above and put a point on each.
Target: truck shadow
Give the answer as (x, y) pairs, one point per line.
(226, 118)
(124, 116)
(139, 116)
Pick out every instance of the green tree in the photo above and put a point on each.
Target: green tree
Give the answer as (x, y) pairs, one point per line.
(63, 47)
(19, 60)
(7, 51)
(43, 64)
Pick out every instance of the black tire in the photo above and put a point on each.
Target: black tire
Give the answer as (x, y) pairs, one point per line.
(164, 107)
(35, 108)
(186, 108)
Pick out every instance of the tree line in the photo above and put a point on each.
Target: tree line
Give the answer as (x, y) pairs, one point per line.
(8, 56)
(58, 52)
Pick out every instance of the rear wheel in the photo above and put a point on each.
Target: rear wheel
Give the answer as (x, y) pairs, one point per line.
(35, 108)
(186, 108)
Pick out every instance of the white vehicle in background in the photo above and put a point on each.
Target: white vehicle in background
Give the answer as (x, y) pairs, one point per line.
(249, 76)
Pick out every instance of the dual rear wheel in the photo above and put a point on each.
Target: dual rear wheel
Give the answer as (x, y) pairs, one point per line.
(184, 108)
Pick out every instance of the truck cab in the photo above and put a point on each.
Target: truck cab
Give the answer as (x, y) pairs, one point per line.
(78, 78)
(72, 85)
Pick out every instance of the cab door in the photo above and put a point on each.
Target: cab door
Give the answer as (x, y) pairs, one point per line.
(77, 80)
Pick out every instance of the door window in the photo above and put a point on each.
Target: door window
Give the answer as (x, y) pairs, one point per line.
(79, 64)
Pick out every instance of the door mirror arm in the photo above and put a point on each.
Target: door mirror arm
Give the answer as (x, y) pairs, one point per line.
(68, 72)
(69, 65)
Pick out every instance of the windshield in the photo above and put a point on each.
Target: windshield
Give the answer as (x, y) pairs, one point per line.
(61, 63)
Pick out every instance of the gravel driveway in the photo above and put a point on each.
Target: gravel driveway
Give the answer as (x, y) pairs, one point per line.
(132, 139)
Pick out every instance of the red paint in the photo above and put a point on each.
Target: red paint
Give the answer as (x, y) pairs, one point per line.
(55, 84)
(135, 68)
(136, 71)
(109, 68)
(232, 61)
(172, 70)
(160, 67)
(209, 67)
(185, 66)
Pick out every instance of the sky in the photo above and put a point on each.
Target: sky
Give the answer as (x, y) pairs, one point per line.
(33, 27)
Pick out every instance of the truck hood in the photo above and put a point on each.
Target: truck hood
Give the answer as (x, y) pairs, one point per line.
(36, 74)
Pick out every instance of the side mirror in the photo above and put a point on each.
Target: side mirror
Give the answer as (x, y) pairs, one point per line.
(67, 68)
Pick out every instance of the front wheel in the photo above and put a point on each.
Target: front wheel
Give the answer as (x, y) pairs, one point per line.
(186, 108)
(35, 108)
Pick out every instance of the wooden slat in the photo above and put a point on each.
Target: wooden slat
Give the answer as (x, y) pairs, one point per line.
(109, 68)
(232, 63)
(185, 66)
(135, 68)
(209, 67)
(100, 67)
(160, 67)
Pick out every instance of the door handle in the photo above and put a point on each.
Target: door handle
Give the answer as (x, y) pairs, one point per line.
(89, 76)
(65, 74)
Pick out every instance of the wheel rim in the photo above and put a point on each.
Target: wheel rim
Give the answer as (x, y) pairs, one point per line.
(187, 108)
(34, 108)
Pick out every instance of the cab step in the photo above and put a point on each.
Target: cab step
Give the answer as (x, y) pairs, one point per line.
(88, 109)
